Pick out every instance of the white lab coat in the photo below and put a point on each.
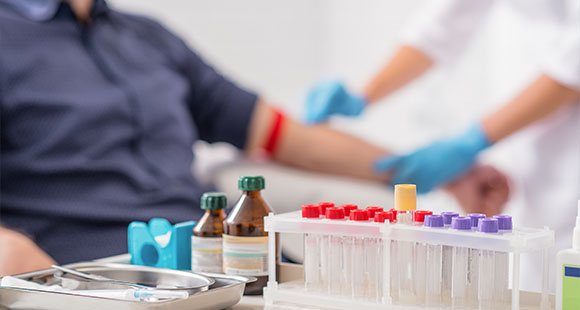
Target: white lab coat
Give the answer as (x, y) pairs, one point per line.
(545, 157)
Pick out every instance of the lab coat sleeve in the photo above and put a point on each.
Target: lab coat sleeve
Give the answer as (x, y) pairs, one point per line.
(444, 27)
(563, 63)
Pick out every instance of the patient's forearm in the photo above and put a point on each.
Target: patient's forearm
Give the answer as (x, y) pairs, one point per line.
(317, 148)
(323, 149)
(408, 64)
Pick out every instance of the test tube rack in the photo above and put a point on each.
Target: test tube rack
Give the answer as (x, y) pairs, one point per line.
(519, 241)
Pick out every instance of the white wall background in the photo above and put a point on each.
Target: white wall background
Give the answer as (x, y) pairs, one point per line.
(280, 48)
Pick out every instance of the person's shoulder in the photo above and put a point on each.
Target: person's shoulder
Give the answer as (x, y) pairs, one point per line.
(150, 30)
(144, 24)
(9, 17)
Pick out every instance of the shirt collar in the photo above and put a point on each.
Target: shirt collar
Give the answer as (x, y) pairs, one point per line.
(43, 10)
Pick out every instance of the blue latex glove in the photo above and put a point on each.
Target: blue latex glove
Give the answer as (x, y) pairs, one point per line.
(328, 98)
(438, 163)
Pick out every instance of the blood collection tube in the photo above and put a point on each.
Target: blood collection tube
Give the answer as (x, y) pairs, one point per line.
(372, 247)
(459, 282)
(323, 243)
(393, 260)
(420, 216)
(475, 217)
(473, 263)
(311, 251)
(381, 217)
(433, 263)
(364, 255)
(447, 259)
(394, 212)
(334, 269)
(405, 204)
(420, 258)
(323, 206)
(372, 210)
(486, 267)
(447, 217)
(347, 208)
(347, 266)
(501, 280)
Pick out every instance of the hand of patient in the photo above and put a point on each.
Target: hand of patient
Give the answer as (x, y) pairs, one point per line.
(482, 190)
(19, 254)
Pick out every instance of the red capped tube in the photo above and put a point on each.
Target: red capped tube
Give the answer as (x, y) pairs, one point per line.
(325, 205)
(335, 213)
(310, 211)
(420, 215)
(381, 217)
(359, 215)
(347, 208)
(372, 210)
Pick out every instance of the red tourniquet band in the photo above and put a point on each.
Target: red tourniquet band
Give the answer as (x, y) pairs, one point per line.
(274, 136)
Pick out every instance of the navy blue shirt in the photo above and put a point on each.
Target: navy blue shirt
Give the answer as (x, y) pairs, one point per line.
(97, 125)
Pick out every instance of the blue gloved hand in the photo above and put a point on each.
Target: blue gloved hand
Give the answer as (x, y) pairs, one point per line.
(438, 163)
(328, 98)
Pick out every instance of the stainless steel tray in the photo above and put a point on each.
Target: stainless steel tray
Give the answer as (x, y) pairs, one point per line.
(225, 292)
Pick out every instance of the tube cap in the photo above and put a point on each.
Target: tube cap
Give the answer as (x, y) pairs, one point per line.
(373, 210)
(406, 197)
(475, 217)
(347, 208)
(488, 225)
(213, 201)
(420, 215)
(335, 213)
(251, 183)
(433, 221)
(381, 217)
(359, 215)
(447, 216)
(323, 206)
(461, 223)
(504, 222)
(310, 211)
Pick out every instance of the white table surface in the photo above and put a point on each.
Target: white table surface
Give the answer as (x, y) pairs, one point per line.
(250, 303)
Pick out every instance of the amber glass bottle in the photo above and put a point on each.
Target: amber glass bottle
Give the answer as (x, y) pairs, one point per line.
(245, 243)
(206, 242)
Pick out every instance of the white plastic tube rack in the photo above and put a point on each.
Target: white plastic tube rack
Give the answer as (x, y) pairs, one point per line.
(519, 241)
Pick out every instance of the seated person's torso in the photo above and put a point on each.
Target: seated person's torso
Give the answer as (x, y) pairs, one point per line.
(97, 128)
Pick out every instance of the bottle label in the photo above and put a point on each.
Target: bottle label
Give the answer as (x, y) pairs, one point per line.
(571, 287)
(206, 254)
(246, 256)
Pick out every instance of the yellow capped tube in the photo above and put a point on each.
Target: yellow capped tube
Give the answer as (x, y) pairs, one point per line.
(405, 197)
